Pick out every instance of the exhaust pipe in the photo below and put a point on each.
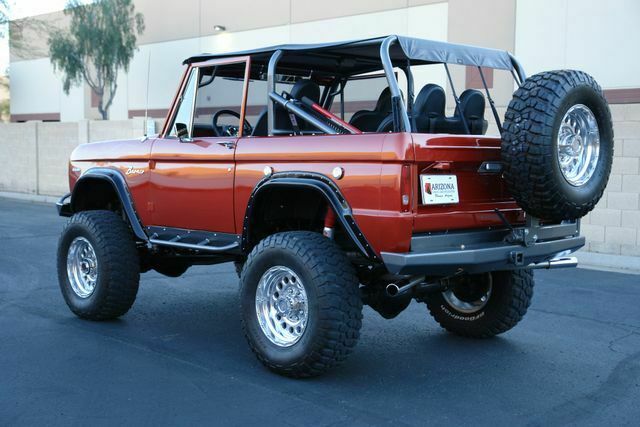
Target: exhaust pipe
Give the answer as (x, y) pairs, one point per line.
(393, 290)
(567, 262)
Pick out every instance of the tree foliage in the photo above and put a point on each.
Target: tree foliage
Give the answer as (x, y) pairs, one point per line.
(100, 41)
(4, 11)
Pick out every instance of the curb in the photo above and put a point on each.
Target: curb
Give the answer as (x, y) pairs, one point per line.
(609, 262)
(30, 197)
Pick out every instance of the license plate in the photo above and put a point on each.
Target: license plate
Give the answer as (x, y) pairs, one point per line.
(439, 189)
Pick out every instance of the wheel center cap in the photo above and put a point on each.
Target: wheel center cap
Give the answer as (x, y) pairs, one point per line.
(283, 305)
(576, 146)
(85, 267)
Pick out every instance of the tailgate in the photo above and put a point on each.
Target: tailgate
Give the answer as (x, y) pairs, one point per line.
(459, 183)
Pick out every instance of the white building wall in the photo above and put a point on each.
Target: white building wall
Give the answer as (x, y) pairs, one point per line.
(38, 86)
(72, 105)
(600, 38)
(120, 107)
(245, 40)
(166, 69)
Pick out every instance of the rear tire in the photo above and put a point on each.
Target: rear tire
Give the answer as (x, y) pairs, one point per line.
(557, 145)
(98, 265)
(300, 302)
(462, 310)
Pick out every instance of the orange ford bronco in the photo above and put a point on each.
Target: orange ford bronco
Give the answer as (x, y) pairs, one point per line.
(341, 174)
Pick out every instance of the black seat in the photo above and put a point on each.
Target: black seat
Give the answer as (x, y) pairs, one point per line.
(472, 104)
(301, 88)
(261, 129)
(428, 108)
(369, 120)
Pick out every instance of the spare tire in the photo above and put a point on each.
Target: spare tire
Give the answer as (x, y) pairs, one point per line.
(557, 145)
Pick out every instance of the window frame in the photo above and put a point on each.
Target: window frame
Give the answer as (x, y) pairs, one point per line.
(195, 67)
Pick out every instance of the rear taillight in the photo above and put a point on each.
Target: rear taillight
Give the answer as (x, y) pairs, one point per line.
(405, 188)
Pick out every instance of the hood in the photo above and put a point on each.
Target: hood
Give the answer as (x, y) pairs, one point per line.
(124, 149)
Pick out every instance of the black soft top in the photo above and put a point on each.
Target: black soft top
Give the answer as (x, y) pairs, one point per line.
(360, 56)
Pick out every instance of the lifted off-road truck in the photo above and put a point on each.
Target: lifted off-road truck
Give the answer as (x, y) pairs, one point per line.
(274, 160)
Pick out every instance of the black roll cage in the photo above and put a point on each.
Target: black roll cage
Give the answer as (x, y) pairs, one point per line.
(403, 120)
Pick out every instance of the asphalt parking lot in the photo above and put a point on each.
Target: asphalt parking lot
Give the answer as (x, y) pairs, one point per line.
(179, 357)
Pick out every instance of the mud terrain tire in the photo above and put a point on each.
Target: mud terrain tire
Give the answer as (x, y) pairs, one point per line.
(508, 300)
(117, 268)
(334, 305)
(547, 182)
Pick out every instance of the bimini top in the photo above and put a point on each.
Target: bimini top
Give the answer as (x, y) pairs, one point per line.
(357, 56)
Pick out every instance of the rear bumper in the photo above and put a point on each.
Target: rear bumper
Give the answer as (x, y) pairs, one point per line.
(486, 250)
(64, 205)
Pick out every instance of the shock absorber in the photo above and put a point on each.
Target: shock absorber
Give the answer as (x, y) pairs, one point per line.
(329, 223)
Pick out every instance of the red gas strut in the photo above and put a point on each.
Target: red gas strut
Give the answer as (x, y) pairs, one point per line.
(330, 116)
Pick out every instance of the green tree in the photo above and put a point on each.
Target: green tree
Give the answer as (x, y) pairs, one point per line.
(100, 41)
(4, 12)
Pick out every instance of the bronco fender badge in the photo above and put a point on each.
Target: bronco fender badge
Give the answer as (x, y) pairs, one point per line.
(133, 171)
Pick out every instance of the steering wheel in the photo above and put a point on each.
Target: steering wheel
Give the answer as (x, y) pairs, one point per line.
(229, 130)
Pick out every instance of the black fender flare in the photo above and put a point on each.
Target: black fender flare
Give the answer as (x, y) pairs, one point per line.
(119, 184)
(327, 189)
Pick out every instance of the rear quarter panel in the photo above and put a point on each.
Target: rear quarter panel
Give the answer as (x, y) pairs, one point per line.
(371, 164)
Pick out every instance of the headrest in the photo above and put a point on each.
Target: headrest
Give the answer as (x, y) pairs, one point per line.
(305, 87)
(384, 101)
(472, 103)
(430, 101)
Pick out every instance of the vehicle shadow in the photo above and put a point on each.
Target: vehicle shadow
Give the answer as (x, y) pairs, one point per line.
(200, 323)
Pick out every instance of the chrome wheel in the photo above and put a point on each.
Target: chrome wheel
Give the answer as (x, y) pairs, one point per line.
(282, 306)
(470, 296)
(82, 267)
(578, 145)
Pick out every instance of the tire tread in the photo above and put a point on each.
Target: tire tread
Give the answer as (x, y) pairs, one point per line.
(340, 314)
(527, 146)
(119, 260)
(508, 315)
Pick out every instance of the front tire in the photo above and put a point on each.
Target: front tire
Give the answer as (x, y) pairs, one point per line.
(301, 305)
(98, 265)
(483, 305)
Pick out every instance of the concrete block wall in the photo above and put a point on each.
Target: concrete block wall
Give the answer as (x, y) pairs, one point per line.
(34, 155)
(18, 157)
(55, 143)
(115, 129)
(613, 227)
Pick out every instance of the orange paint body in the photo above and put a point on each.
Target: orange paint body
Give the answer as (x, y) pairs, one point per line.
(202, 185)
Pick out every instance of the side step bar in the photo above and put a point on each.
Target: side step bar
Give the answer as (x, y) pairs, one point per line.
(194, 240)
(194, 246)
